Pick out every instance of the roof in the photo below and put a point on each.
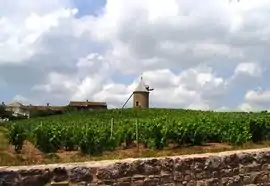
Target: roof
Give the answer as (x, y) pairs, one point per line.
(141, 86)
(86, 103)
(34, 107)
(15, 104)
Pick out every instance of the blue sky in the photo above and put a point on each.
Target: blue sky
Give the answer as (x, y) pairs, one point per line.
(87, 7)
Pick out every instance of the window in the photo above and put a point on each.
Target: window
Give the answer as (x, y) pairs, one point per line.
(137, 103)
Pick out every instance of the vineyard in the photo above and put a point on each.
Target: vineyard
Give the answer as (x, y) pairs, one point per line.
(98, 131)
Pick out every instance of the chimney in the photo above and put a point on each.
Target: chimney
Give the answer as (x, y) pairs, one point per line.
(48, 104)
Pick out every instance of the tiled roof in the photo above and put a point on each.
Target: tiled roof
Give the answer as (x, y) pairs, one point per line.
(48, 107)
(31, 107)
(86, 103)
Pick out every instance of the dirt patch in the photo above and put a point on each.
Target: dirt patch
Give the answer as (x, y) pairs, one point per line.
(32, 151)
(31, 155)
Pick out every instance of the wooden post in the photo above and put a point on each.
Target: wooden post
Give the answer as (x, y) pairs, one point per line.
(137, 135)
(112, 122)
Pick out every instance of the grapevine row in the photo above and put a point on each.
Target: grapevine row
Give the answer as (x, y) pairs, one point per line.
(94, 132)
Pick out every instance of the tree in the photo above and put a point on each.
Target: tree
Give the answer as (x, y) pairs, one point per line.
(5, 113)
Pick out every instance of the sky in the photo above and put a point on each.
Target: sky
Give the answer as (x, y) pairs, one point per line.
(209, 55)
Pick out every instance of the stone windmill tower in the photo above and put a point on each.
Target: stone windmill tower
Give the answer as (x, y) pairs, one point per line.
(140, 95)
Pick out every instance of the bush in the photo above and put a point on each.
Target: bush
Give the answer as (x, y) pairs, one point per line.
(17, 136)
(4, 113)
(44, 113)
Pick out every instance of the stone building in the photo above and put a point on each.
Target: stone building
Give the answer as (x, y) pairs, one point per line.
(87, 105)
(141, 95)
(18, 109)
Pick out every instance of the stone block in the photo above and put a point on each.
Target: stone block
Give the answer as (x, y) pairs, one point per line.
(229, 169)
(65, 183)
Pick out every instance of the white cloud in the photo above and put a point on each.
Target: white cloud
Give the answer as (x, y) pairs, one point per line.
(21, 99)
(251, 69)
(246, 107)
(206, 55)
(258, 96)
(256, 99)
(20, 32)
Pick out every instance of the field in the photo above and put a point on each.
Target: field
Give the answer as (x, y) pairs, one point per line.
(125, 133)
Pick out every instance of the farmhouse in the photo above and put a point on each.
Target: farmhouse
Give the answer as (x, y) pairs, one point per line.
(87, 105)
(18, 109)
(47, 107)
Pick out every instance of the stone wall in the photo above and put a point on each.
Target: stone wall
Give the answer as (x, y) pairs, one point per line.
(250, 167)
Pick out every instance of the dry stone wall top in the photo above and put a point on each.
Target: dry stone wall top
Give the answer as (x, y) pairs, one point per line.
(233, 168)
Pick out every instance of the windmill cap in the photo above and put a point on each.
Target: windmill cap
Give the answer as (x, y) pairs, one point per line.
(141, 86)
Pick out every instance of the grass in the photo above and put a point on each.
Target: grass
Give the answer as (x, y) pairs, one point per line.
(3, 139)
(31, 155)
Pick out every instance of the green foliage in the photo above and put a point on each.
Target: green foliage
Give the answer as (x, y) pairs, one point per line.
(43, 113)
(17, 136)
(4, 113)
(47, 138)
(90, 131)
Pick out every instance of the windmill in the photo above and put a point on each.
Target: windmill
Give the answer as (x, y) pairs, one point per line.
(140, 95)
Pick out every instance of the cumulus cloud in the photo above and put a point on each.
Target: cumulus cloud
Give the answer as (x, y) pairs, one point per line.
(251, 69)
(21, 99)
(257, 96)
(203, 55)
(21, 30)
(256, 99)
